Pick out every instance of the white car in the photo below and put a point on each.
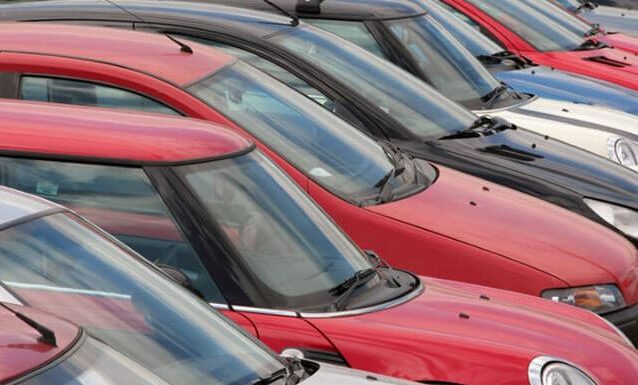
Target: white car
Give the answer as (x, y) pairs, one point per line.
(609, 133)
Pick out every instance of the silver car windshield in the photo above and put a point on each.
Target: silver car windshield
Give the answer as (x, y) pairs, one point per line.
(560, 16)
(62, 265)
(411, 102)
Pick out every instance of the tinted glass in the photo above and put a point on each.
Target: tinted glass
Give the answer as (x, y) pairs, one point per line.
(288, 248)
(560, 16)
(62, 265)
(353, 31)
(324, 147)
(81, 93)
(535, 28)
(94, 363)
(571, 5)
(407, 99)
(477, 43)
(121, 200)
(445, 63)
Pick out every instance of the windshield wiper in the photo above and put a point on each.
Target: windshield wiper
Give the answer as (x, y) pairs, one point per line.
(397, 157)
(585, 4)
(491, 97)
(47, 335)
(273, 377)
(492, 124)
(591, 44)
(503, 56)
(594, 30)
(344, 290)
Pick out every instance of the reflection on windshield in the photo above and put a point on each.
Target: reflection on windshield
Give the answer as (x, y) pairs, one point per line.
(446, 64)
(407, 99)
(94, 363)
(538, 30)
(477, 43)
(560, 16)
(286, 243)
(324, 147)
(572, 5)
(62, 266)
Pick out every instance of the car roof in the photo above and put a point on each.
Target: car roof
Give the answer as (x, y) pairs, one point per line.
(192, 14)
(54, 131)
(21, 350)
(338, 9)
(149, 53)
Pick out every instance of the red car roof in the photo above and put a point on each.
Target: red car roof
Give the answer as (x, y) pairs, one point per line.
(20, 348)
(53, 130)
(145, 52)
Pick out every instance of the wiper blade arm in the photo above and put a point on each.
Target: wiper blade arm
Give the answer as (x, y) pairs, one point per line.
(345, 289)
(275, 376)
(490, 98)
(47, 335)
(594, 30)
(592, 44)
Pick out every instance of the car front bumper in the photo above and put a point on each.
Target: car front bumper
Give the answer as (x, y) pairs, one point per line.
(627, 321)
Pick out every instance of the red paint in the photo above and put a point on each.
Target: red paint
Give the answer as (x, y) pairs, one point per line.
(578, 62)
(621, 41)
(20, 349)
(435, 232)
(136, 138)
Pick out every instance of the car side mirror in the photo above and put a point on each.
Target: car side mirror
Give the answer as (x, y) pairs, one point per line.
(180, 278)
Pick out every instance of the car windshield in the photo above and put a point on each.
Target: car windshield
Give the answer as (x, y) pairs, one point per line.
(538, 30)
(325, 148)
(476, 42)
(560, 16)
(443, 61)
(290, 253)
(63, 265)
(94, 363)
(411, 102)
(571, 5)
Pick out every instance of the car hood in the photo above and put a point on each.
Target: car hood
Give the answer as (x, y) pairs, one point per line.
(617, 66)
(464, 327)
(622, 41)
(339, 375)
(614, 19)
(518, 227)
(587, 127)
(553, 84)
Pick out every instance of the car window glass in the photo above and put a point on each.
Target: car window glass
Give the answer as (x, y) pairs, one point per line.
(65, 91)
(463, 28)
(560, 16)
(353, 31)
(534, 27)
(325, 148)
(290, 79)
(119, 199)
(446, 64)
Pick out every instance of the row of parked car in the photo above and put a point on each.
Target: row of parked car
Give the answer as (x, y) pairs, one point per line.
(248, 192)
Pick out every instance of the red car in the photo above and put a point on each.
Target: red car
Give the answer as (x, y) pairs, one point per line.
(422, 217)
(255, 246)
(523, 30)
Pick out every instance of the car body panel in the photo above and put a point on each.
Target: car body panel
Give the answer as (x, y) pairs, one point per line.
(428, 313)
(584, 126)
(410, 227)
(21, 350)
(480, 333)
(624, 42)
(553, 84)
(615, 65)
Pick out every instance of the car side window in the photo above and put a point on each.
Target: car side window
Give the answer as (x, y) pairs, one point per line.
(353, 31)
(122, 201)
(484, 31)
(66, 91)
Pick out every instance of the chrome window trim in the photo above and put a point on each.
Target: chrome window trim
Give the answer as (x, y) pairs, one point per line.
(257, 310)
(219, 306)
(288, 313)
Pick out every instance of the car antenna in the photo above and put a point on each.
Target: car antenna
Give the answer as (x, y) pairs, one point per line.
(182, 46)
(48, 336)
(294, 19)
